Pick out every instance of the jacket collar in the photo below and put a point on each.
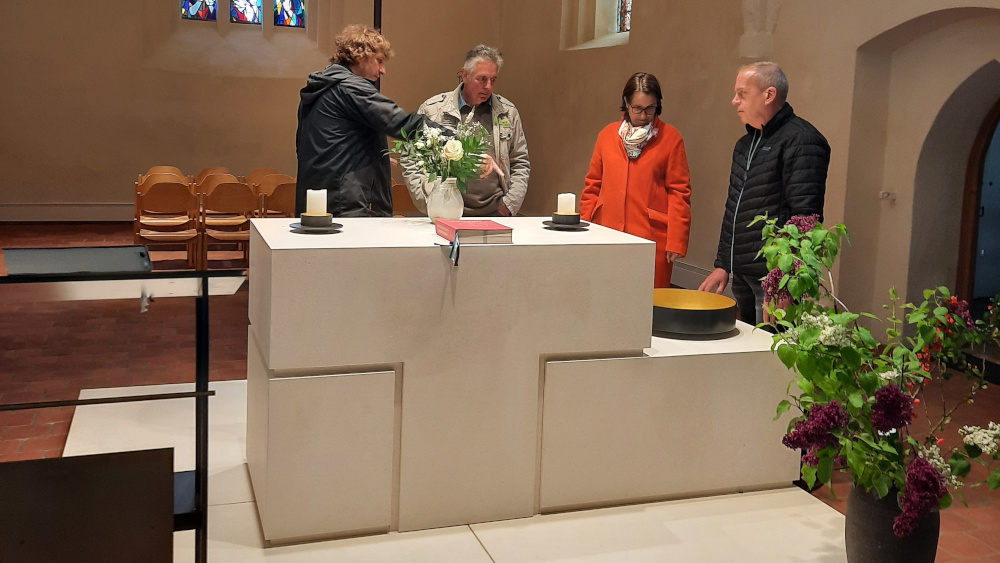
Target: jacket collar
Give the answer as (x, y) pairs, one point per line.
(779, 119)
(452, 103)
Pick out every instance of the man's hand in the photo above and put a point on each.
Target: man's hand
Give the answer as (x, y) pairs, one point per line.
(502, 210)
(490, 165)
(715, 282)
(672, 256)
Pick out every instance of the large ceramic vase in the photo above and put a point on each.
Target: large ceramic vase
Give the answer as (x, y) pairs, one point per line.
(445, 201)
(869, 536)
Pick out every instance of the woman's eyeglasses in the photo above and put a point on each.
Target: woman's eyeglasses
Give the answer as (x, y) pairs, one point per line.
(648, 112)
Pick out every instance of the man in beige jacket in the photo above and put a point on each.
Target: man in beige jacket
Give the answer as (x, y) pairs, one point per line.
(495, 194)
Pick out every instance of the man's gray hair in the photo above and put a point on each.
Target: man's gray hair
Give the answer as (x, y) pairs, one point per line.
(767, 75)
(481, 53)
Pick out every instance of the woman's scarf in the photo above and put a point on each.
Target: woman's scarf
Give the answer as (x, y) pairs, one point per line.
(634, 138)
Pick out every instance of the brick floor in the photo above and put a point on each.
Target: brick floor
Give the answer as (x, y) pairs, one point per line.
(50, 351)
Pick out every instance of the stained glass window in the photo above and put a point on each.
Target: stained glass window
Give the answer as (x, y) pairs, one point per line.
(245, 11)
(624, 15)
(290, 13)
(198, 9)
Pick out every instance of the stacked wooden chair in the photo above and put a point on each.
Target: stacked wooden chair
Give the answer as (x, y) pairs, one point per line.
(212, 208)
(166, 213)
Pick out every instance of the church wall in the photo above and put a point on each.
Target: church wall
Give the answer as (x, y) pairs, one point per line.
(93, 98)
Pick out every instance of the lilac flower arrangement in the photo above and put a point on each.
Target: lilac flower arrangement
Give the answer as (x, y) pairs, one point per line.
(855, 394)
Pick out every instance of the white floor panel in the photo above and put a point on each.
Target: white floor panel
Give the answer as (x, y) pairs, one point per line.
(170, 423)
(788, 525)
(234, 537)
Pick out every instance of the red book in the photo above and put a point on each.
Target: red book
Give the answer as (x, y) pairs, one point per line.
(474, 231)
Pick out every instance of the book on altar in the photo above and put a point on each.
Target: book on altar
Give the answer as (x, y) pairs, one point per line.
(474, 231)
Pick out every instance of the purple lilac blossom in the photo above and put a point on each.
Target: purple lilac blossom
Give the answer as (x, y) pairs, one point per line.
(892, 408)
(804, 223)
(814, 433)
(771, 283)
(961, 310)
(924, 490)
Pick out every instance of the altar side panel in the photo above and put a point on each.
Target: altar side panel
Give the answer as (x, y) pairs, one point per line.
(330, 445)
(655, 427)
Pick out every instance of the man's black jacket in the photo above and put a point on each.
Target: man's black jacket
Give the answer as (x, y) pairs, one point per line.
(341, 143)
(783, 176)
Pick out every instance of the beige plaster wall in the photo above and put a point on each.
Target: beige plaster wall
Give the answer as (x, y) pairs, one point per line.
(876, 114)
(90, 103)
(567, 96)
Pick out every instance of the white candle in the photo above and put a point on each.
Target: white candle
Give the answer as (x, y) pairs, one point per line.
(567, 204)
(315, 202)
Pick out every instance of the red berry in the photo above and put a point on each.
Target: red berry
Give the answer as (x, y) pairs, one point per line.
(940, 441)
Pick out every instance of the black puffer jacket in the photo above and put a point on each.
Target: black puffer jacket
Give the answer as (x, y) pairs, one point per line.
(786, 176)
(341, 143)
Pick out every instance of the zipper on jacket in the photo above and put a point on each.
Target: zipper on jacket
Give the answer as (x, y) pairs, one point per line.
(746, 173)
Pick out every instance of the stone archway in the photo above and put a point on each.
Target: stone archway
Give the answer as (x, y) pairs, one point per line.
(941, 180)
(917, 88)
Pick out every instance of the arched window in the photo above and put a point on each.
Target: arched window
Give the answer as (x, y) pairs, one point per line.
(624, 16)
(591, 24)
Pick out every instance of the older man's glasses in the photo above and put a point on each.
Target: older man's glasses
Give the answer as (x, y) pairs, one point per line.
(637, 111)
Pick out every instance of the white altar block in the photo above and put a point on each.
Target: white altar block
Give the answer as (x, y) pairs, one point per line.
(692, 418)
(469, 342)
(322, 464)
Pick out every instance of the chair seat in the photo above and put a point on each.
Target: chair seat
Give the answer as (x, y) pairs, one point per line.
(168, 236)
(164, 220)
(227, 235)
(225, 220)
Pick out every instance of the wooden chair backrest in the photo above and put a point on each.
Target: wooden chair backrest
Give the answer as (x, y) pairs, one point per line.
(168, 197)
(206, 171)
(164, 170)
(257, 173)
(158, 177)
(281, 199)
(212, 180)
(266, 184)
(230, 197)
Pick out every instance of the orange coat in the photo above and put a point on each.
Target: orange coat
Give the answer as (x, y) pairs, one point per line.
(649, 197)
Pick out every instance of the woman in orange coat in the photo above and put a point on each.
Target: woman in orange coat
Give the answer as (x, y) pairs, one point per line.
(639, 181)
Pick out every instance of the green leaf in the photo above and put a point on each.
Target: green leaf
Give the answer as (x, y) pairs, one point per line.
(783, 407)
(809, 474)
(994, 480)
(851, 357)
(786, 262)
(945, 502)
(882, 483)
(856, 399)
(795, 288)
(806, 386)
(893, 294)
(825, 470)
(869, 382)
(973, 450)
(867, 338)
(788, 355)
(960, 466)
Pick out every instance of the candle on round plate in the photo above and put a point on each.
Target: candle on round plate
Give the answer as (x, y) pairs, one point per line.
(315, 202)
(567, 204)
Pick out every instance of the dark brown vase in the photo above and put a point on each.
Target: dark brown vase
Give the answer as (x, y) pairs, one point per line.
(869, 536)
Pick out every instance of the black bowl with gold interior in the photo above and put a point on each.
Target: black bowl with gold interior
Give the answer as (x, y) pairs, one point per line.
(685, 311)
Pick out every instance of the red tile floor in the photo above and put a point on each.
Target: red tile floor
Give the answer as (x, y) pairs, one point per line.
(50, 351)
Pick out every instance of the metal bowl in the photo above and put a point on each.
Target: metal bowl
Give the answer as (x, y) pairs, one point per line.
(685, 311)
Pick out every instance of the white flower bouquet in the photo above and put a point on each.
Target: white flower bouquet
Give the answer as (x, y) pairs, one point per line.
(440, 156)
